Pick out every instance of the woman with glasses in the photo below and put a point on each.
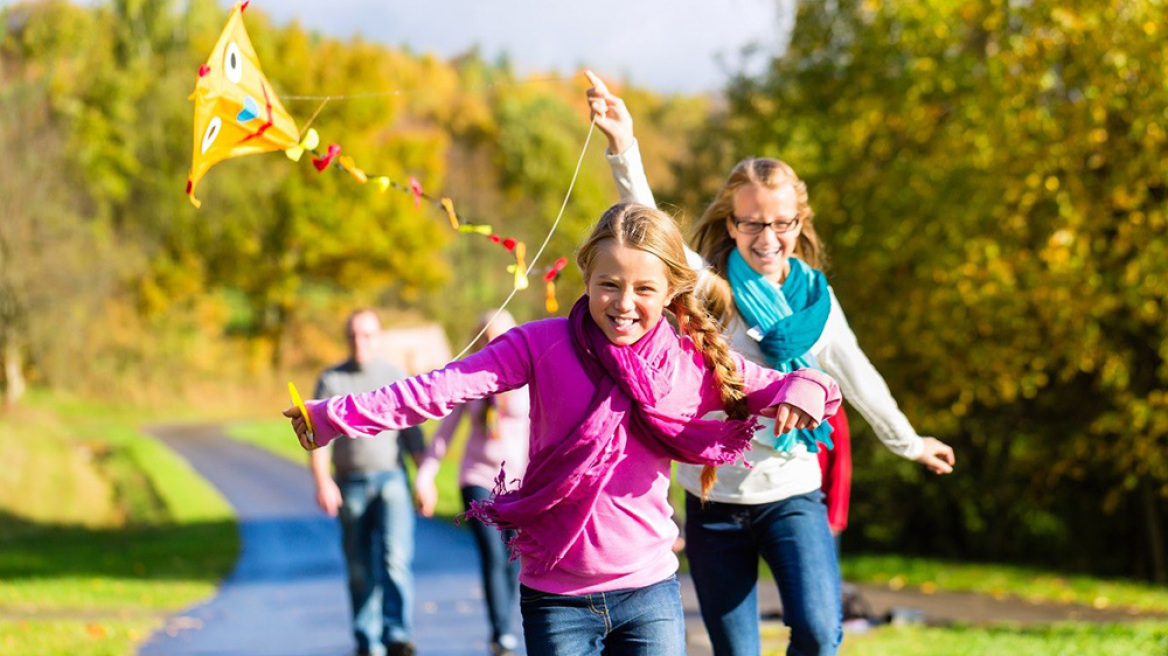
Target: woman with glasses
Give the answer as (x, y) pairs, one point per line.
(762, 255)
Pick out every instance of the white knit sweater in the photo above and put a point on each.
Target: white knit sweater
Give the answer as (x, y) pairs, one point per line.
(773, 476)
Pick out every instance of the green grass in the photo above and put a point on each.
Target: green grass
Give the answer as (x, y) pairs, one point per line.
(1003, 580)
(1142, 639)
(104, 637)
(275, 435)
(1148, 638)
(102, 529)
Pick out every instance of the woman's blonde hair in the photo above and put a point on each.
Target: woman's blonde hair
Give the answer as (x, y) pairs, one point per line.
(491, 324)
(711, 236)
(653, 231)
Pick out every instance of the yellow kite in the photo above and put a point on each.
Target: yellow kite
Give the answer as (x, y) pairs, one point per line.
(236, 110)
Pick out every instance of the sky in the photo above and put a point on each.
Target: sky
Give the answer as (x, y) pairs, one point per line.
(669, 46)
(665, 45)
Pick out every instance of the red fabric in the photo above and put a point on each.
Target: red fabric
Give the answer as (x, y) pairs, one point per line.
(836, 465)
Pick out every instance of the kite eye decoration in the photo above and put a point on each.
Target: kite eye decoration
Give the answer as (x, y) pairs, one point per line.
(212, 132)
(233, 63)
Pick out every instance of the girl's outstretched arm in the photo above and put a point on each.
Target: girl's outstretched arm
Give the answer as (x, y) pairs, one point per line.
(810, 396)
(502, 365)
(788, 417)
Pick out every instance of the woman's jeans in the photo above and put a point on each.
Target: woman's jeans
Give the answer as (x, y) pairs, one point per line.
(500, 573)
(724, 541)
(644, 621)
(377, 526)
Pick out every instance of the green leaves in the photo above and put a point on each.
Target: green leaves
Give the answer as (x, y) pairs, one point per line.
(988, 177)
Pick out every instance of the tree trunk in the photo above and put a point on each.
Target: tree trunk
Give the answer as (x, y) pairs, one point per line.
(1155, 532)
(13, 375)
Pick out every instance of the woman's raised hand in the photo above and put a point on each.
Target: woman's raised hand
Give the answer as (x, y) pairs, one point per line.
(610, 114)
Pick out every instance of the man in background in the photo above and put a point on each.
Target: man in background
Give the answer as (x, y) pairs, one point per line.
(369, 491)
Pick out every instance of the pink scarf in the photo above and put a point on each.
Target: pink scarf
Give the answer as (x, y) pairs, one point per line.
(563, 481)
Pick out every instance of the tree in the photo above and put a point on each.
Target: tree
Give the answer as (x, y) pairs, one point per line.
(52, 271)
(989, 176)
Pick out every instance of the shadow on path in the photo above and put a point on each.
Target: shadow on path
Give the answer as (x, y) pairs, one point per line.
(286, 595)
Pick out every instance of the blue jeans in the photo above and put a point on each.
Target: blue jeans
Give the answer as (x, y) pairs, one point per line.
(500, 573)
(723, 542)
(377, 527)
(644, 621)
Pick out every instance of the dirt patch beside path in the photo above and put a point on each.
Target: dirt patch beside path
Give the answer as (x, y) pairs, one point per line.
(971, 608)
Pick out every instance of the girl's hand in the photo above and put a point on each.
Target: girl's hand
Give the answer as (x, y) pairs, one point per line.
(328, 496)
(610, 114)
(788, 417)
(300, 425)
(937, 456)
(425, 497)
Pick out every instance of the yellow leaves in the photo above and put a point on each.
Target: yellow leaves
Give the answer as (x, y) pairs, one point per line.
(1153, 135)
(1066, 19)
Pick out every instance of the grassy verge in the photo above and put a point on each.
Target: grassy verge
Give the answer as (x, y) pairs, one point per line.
(1003, 580)
(1142, 639)
(275, 435)
(92, 638)
(1148, 638)
(102, 530)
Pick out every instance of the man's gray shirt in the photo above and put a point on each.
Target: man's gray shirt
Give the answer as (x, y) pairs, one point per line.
(367, 454)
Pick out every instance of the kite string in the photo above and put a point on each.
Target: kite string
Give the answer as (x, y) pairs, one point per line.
(315, 114)
(548, 238)
(398, 92)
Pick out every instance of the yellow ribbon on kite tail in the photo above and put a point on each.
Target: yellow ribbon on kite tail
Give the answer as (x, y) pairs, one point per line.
(236, 110)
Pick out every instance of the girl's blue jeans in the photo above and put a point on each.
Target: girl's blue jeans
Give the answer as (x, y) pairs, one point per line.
(644, 621)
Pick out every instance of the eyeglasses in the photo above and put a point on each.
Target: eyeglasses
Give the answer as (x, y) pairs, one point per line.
(756, 227)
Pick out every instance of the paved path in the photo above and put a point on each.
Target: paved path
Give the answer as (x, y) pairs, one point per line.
(286, 596)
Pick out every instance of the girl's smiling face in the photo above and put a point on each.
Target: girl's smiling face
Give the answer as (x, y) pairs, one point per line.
(628, 290)
(767, 251)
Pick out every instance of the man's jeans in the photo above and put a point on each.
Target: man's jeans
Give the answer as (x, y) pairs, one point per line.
(377, 524)
(636, 622)
(724, 541)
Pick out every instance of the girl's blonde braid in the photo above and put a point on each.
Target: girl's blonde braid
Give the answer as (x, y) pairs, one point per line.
(698, 325)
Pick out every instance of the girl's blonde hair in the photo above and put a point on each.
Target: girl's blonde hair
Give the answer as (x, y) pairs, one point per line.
(653, 231)
(711, 235)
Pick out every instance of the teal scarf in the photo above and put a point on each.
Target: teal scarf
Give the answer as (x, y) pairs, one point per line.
(786, 321)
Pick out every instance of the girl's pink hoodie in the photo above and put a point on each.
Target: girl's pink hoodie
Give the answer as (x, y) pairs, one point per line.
(627, 542)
